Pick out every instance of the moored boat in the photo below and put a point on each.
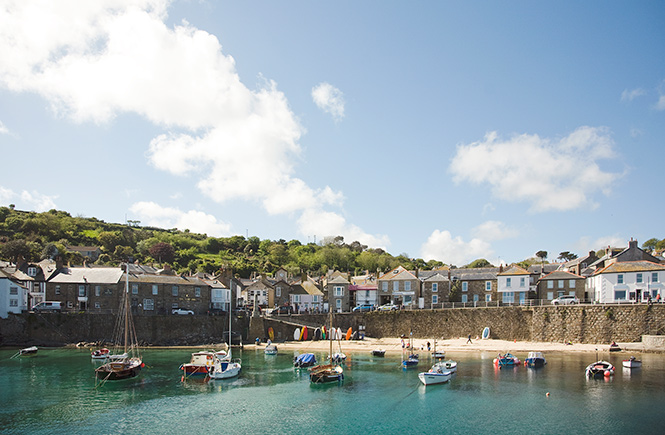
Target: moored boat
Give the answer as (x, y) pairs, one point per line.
(379, 352)
(449, 365)
(631, 363)
(304, 360)
(32, 350)
(437, 374)
(507, 360)
(331, 372)
(225, 367)
(411, 361)
(129, 363)
(535, 360)
(615, 347)
(199, 364)
(102, 353)
(598, 370)
(270, 349)
(338, 358)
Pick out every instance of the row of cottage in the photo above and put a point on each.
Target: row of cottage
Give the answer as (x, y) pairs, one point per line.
(625, 275)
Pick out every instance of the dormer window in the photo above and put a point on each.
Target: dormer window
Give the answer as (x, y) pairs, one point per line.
(32, 271)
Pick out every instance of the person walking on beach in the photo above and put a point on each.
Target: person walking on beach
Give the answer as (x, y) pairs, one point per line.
(469, 340)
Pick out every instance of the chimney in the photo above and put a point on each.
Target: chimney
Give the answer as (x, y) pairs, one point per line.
(632, 244)
(500, 267)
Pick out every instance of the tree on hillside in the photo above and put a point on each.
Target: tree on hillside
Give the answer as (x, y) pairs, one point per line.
(650, 245)
(481, 262)
(162, 252)
(567, 256)
(542, 255)
(15, 249)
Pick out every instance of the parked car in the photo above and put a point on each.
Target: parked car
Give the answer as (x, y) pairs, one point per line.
(182, 312)
(566, 300)
(364, 308)
(284, 309)
(388, 307)
(48, 306)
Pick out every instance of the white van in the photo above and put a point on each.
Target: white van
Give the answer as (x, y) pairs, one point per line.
(48, 306)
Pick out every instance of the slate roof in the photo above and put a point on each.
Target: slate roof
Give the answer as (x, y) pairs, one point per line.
(631, 266)
(560, 274)
(100, 275)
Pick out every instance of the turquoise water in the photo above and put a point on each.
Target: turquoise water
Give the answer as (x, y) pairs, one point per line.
(54, 392)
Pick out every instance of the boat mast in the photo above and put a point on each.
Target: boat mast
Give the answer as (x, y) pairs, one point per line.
(330, 334)
(126, 306)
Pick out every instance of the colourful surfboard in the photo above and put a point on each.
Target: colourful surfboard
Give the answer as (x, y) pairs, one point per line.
(304, 332)
(296, 334)
(323, 333)
(349, 333)
(271, 334)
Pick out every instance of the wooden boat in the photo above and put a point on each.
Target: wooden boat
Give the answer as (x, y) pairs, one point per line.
(631, 363)
(599, 369)
(129, 363)
(28, 351)
(331, 372)
(507, 360)
(379, 352)
(437, 374)
(199, 364)
(535, 360)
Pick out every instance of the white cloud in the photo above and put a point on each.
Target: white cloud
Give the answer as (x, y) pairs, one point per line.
(551, 175)
(152, 214)
(441, 245)
(660, 104)
(94, 60)
(329, 99)
(315, 221)
(25, 200)
(494, 230)
(630, 95)
(3, 129)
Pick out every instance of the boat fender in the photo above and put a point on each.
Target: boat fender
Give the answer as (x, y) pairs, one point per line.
(180, 368)
(607, 373)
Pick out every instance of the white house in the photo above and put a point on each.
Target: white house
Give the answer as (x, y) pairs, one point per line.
(513, 285)
(13, 296)
(631, 281)
(220, 295)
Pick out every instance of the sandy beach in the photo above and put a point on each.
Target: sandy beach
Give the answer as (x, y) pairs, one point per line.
(394, 345)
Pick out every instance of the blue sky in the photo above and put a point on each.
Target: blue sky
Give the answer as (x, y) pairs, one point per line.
(441, 130)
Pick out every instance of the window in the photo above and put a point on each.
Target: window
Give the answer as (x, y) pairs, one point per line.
(135, 289)
(435, 287)
(339, 291)
(384, 286)
(620, 279)
(278, 291)
(98, 305)
(13, 302)
(155, 289)
(407, 286)
(488, 298)
(296, 298)
(550, 283)
(522, 297)
(571, 283)
(197, 292)
(435, 299)
(13, 290)
(395, 286)
(550, 296)
(465, 298)
(82, 291)
(32, 271)
(508, 297)
(98, 290)
(366, 294)
(560, 283)
(522, 281)
(475, 298)
(639, 278)
(174, 305)
(619, 295)
(315, 298)
(465, 286)
(508, 282)
(148, 304)
(488, 286)
(69, 304)
(57, 289)
(572, 293)
(654, 276)
(338, 304)
(559, 294)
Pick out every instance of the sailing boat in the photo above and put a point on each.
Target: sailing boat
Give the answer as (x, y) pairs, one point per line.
(412, 360)
(224, 366)
(127, 365)
(325, 373)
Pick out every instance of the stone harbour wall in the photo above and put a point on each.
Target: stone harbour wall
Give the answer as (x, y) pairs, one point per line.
(578, 323)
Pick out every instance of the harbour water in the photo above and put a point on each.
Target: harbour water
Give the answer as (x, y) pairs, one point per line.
(54, 392)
